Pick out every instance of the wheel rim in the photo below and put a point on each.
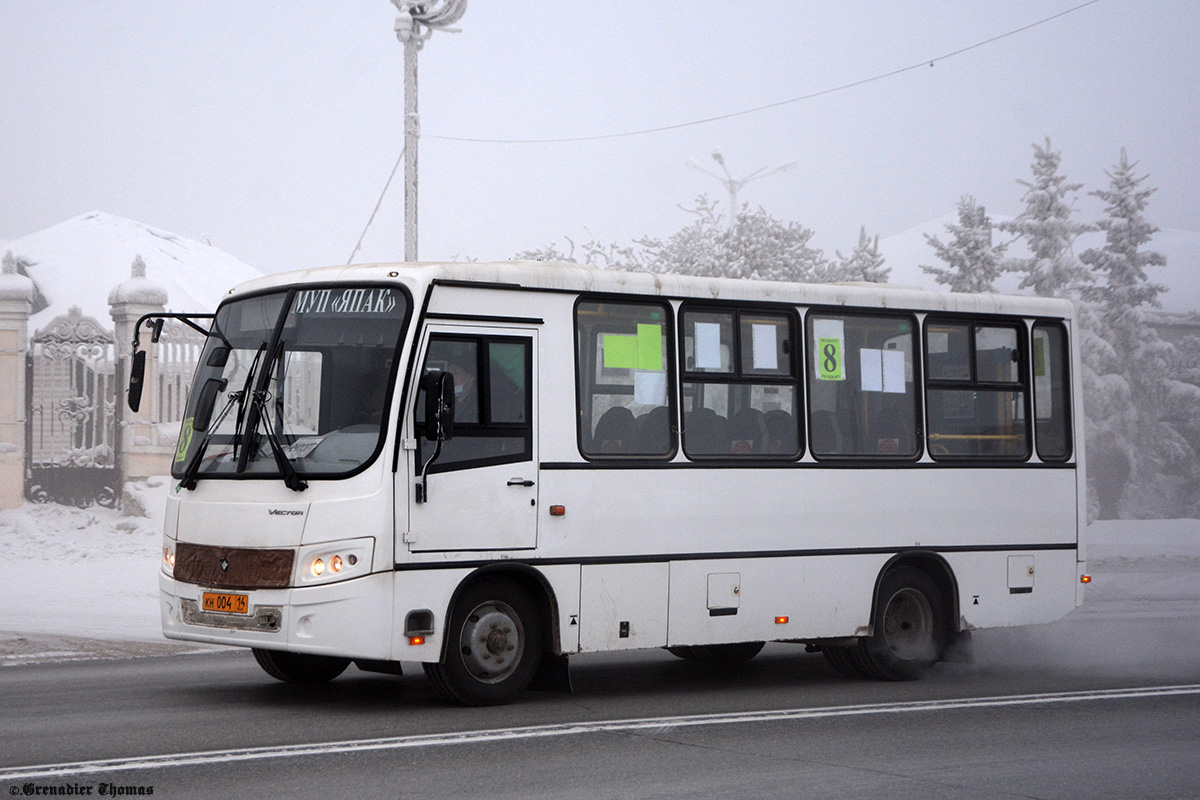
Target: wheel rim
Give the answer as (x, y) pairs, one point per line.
(492, 642)
(908, 625)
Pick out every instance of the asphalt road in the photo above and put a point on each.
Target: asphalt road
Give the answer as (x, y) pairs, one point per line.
(1105, 703)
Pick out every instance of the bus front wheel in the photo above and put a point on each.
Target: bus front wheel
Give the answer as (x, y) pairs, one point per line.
(300, 668)
(494, 643)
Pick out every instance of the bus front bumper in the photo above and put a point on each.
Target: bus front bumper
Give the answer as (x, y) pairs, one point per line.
(350, 618)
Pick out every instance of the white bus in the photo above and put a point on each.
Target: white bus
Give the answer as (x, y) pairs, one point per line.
(488, 468)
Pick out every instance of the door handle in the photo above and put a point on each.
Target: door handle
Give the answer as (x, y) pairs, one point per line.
(519, 482)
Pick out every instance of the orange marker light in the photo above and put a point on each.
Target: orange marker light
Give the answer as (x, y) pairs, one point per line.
(1085, 578)
(558, 511)
(415, 640)
(781, 620)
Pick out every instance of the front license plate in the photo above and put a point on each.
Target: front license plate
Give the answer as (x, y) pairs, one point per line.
(225, 603)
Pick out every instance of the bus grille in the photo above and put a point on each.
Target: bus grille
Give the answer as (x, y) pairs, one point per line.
(233, 567)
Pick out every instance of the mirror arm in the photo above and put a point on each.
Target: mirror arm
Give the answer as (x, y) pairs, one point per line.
(423, 486)
(160, 317)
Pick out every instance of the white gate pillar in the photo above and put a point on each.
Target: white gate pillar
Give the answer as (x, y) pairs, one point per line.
(142, 454)
(16, 301)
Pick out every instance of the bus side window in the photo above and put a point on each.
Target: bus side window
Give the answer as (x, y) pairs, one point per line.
(740, 384)
(975, 392)
(862, 394)
(491, 401)
(624, 380)
(1051, 397)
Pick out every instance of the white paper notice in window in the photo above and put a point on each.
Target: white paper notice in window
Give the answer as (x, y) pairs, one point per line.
(882, 370)
(650, 388)
(766, 346)
(870, 364)
(708, 345)
(893, 371)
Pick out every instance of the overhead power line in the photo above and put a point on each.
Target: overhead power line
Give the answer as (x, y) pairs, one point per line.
(378, 203)
(929, 62)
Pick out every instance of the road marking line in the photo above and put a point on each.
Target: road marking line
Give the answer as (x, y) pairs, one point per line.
(574, 729)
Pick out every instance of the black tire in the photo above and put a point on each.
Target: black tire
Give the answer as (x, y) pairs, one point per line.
(909, 631)
(844, 659)
(301, 668)
(494, 643)
(724, 655)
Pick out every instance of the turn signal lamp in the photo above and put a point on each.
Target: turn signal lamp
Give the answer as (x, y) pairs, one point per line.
(1085, 578)
(415, 640)
(781, 620)
(558, 511)
(168, 559)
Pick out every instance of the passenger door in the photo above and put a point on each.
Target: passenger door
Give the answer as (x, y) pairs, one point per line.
(482, 488)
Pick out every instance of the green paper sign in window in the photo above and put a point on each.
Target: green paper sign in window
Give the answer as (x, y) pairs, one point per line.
(185, 440)
(643, 351)
(829, 359)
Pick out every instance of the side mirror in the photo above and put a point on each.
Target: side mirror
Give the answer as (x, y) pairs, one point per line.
(439, 405)
(137, 373)
(208, 400)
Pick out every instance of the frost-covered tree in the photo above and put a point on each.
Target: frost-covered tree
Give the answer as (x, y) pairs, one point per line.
(865, 263)
(1048, 230)
(972, 262)
(1139, 403)
(594, 254)
(756, 246)
(1121, 263)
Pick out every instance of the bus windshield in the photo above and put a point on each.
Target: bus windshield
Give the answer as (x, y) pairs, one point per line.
(295, 382)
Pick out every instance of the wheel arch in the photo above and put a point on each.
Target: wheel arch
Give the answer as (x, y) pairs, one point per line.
(937, 569)
(529, 580)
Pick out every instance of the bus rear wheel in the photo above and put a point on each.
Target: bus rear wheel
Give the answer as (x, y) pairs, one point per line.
(717, 654)
(494, 644)
(302, 668)
(910, 627)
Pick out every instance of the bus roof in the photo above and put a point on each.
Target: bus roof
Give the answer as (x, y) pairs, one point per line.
(559, 276)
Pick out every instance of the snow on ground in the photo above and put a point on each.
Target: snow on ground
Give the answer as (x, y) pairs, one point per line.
(92, 573)
(84, 572)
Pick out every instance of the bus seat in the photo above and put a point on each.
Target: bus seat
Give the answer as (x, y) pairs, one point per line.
(826, 438)
(748, 432)
(781, 432)
(654, 430)
(705, 433)
(892, 431)
(616, 432)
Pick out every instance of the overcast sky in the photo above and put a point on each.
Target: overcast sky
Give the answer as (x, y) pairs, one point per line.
(269, 128)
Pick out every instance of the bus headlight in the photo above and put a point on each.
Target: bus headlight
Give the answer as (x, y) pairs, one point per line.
(335, 561)
(168, 557)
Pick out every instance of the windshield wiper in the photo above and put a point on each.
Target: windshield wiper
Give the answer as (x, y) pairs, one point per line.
(291, 478)
(241, 397)
(259, 413)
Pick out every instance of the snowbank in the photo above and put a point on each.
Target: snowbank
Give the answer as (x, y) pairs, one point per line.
(84, 572)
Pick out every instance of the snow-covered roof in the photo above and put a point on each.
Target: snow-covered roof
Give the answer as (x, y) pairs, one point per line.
(78, 262)
(546, 275)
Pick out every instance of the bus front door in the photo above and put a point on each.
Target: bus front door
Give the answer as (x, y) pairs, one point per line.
(480, 492)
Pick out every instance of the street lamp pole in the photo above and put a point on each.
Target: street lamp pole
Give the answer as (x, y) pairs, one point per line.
(417, 21)
(732, 184)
